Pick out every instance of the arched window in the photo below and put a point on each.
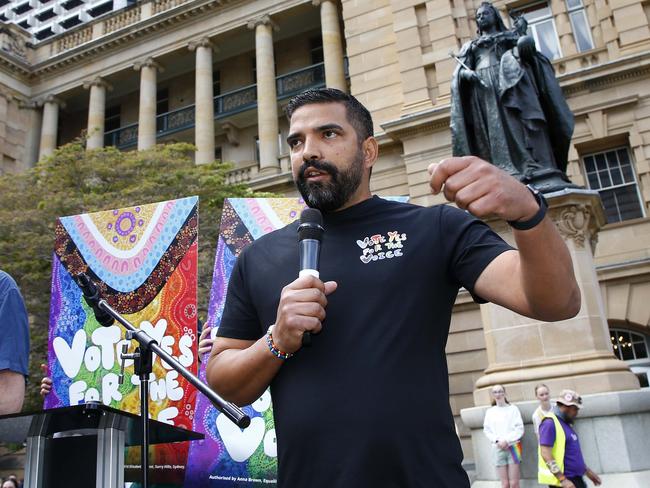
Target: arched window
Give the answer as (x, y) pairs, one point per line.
(632, 348)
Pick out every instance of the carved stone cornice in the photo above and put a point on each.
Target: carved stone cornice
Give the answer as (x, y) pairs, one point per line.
(607, 104)
(202, 42)
(262, 20)
(148, 63)
(98, 81)
(431, 120)
(606, 74)
(17, 67)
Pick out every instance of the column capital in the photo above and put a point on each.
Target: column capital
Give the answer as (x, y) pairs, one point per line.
(97, 81)
(28, 104)
(318, 3)
(263, 20)
(148, 63)
(202, 42)
(51, 99)
(10, 96)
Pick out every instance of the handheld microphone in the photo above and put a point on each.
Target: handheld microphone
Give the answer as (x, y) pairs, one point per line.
(92, 298)
(310, 235)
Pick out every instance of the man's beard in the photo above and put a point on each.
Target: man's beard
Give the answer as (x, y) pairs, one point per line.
(330, 195)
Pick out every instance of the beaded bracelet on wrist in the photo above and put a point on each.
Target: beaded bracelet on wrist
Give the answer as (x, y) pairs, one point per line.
(274, 349)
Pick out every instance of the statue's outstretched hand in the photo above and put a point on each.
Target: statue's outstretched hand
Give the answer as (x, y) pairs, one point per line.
(482, 189)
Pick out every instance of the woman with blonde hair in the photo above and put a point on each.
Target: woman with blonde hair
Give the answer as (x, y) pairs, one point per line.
(543, 395)
(504, 428)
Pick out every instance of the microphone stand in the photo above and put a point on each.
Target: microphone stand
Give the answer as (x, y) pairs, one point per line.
(143, 362)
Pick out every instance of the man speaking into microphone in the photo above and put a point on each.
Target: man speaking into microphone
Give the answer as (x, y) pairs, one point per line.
(366, 404)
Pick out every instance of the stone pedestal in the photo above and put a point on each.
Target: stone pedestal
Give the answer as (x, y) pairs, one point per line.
(574, 353)
(613, 429)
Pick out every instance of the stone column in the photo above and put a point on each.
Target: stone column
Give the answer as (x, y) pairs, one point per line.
(332, 44)
(204, 104)
(34, 118)
(5, 100)
(49, 128)
(574, 353)
(147, 114)
(267, 99)
(96, 111)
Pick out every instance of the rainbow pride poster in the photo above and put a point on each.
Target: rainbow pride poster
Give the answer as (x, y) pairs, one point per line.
(229, 456)
(144, 260)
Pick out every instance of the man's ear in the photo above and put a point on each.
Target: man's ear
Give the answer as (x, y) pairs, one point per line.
(370, 149)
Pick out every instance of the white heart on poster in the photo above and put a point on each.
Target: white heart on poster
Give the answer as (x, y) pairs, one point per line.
(240, 444)
(263, 403)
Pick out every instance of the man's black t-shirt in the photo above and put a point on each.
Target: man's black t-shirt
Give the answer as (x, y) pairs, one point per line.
(367, 405)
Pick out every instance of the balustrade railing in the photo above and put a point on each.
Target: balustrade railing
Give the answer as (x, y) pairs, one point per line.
(225, 105)
(175, 120)
(123, 137)
(297, 81)
(235, 101)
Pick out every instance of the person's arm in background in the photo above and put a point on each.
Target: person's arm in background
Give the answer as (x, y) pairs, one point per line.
(595, 479)
(46, 382)
(547, 456)
(488, 428)
(14, 346)
(12, 386)
(205, 342)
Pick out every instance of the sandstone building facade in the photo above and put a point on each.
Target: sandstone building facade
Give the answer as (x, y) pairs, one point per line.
(218, 72)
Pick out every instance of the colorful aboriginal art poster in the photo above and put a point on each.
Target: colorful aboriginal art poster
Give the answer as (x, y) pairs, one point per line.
(144, 261)
(230, 456)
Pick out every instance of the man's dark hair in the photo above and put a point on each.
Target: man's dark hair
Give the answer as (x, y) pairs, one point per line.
(357, 114)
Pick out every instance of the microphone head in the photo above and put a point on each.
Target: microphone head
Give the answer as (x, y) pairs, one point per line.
(311, 225)
(88, 287)
(92, 296)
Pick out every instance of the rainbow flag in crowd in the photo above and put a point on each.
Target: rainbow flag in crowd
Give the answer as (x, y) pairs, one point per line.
(515, 450)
